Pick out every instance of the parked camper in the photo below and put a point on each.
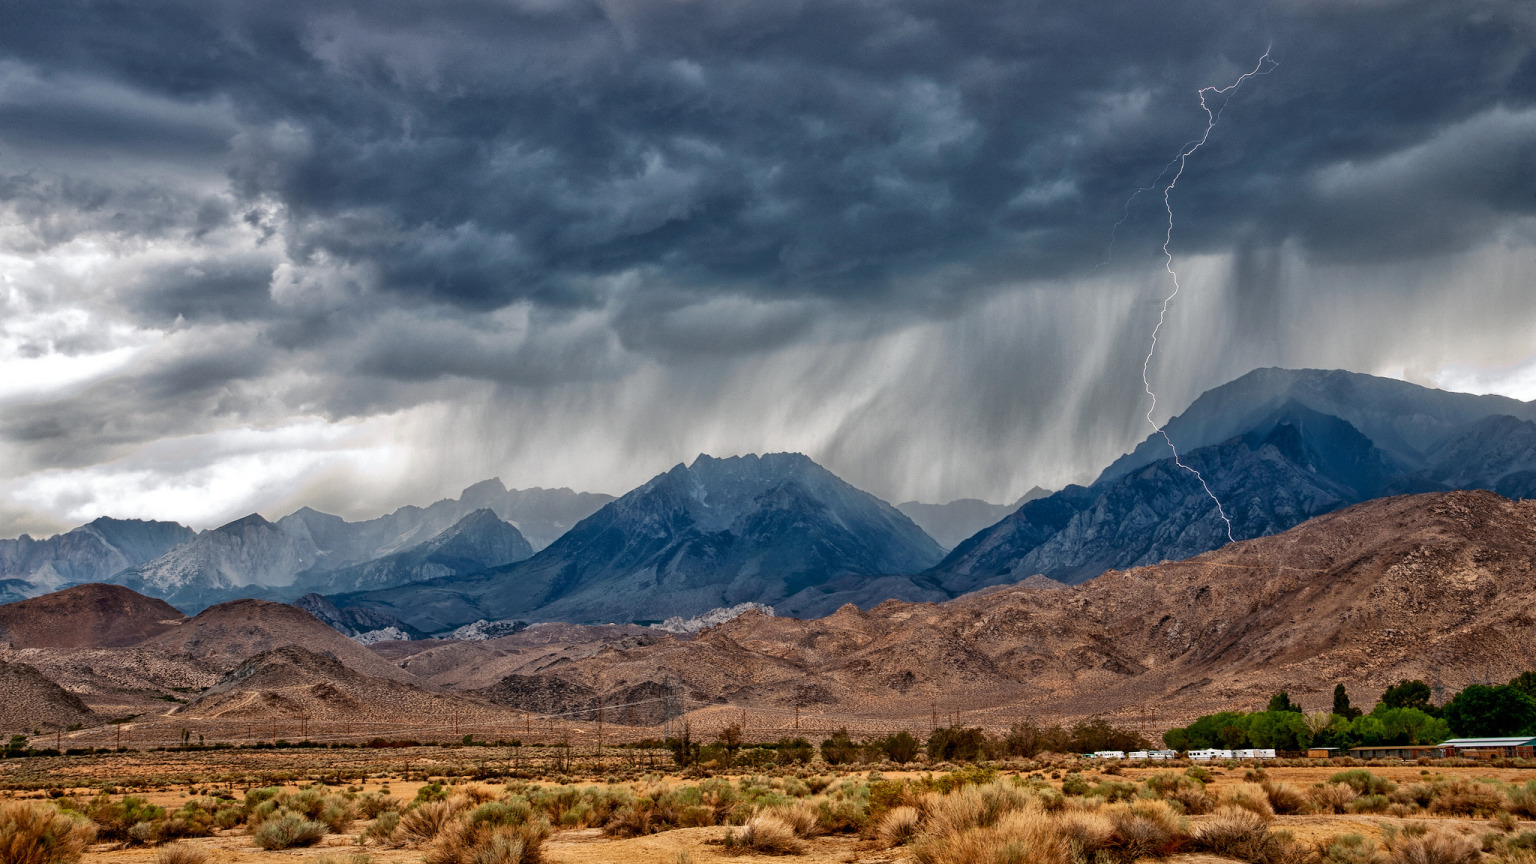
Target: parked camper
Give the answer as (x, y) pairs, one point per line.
(1208, 755)
(1137, 754)
(1109, 754)
(1254, 754)
(1163, 754)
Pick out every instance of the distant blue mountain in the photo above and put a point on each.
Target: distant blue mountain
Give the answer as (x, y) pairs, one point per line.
(776, 529)
(90, 553)
(1277, 447)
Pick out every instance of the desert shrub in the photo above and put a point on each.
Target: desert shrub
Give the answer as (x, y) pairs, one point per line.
(1348, 849)
(1332, 797)
(1522, 799)
(115, 818)
(287, 831)
(1251, 797)
(462, 842)
(1244, 835)
(423, 822)
(383, 828)
(41, 834)
(899, 825)
(1075, 784)
(1369, 804)
(764, 834)
(1364, 782)
(1146, 829)
(1285, 798)
(1194, 800)
(371, 805)
(1113, 790)
(181, 853)
(1439, 847)
(803, 817)
(1467, 798)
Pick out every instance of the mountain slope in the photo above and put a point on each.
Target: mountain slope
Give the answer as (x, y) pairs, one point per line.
(86, 616)
(477, 542)
(29, 700)
(1404, 420)
(776, 529)
(1440, 587)
(1298, 444)
(291, 681)
(1292, 466)
(229, 633)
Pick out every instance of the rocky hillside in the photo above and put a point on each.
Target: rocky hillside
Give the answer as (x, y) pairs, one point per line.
(29, 701)
(295, 682)
(776, 529)
(1437, 586)
(86, 616)
(227, 635)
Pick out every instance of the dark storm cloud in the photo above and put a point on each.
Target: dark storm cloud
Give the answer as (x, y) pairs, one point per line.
(348, 204)
(481, 153)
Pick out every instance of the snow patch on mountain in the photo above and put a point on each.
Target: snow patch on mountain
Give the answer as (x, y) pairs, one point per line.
(685, 626)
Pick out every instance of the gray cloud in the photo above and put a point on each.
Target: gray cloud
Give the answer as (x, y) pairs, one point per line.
(537, 215)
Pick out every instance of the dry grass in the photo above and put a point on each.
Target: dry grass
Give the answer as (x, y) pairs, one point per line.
(1251, 797)
(464, 843)
(1438, 847)
(1244, 835)
(1285, 798)
(899, 826)
(40, 834)
(1333, 797)
(181, 853)
(1469, 798)
(764, 834)
(421, 824)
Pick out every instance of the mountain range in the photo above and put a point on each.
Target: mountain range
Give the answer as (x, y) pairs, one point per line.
(776, 529)
(486, 526)
(1436, 586)
(1272, 449)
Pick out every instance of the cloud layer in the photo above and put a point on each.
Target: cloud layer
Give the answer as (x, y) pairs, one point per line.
(572, 243)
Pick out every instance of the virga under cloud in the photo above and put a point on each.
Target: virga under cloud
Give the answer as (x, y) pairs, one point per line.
(391, 248)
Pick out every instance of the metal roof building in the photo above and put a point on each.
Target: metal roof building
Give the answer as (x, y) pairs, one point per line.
(1521, 746)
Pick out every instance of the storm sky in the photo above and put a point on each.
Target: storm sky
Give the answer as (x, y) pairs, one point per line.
(362, 254)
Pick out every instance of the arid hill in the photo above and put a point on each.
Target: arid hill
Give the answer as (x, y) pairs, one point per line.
(293, 682)
(86, 616)
(1439, 587)
(28, 700)
(228, 634)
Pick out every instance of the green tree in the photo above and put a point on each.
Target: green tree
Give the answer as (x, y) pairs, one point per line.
(1176, 738)
(901, 748)
(1481, 710)
(1525, 683)
(839, 749)
(1282, 702)
(1412, 693)
(1341, 704)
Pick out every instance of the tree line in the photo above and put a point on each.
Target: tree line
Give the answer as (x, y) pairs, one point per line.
(1405, 715)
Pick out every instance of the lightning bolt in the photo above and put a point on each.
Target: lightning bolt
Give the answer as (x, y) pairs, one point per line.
(1212, 117)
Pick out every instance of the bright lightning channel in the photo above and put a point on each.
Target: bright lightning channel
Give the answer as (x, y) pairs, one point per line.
(1264, 67)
